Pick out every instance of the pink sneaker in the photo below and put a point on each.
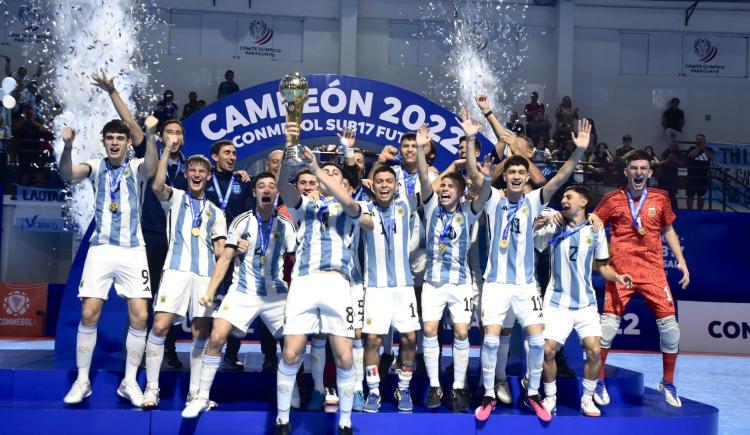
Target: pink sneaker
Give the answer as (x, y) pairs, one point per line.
(535, 403)
(482, 413)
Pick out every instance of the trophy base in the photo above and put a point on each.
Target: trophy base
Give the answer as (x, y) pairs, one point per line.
(294, 156)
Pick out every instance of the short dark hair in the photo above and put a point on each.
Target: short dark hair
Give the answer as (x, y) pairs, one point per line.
(218, 145)
(304, 171)
(515, 161)
(384, 168)
(458, 179)
(675, 100)
(627, 138)
(407, 136)
(637, 155)
(116, 126)
(168, 122)
(579, 189)
(262, 175)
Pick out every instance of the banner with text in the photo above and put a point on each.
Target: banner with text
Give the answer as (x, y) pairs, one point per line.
(714, 327)
(24, 309)
(714, 56)
(254, 118)
(734, 160)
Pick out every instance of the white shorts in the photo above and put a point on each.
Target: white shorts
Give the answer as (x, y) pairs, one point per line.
(390, 306)
(240, 309)
(510, 318)
(126, 268)
(457, 297)
(558, 323)
(522, 300)
(358, 302)
(320, 303)
(180, 292)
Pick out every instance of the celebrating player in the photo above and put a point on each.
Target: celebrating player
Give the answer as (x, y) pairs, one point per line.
(509, 279)
(448, 225)
(569, 301)
(639, 216)
(117, 254)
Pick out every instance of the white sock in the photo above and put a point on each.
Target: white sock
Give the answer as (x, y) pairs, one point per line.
(550, 388)
(208, 372)
(318, 362)
(460, 363)
(358, 352)
(535, 361)
(404, 377)
(432, 360)
(373, 379)
(135, 345)
(489, 360)
(589, 386)
(196, 363)
(154, 357)
(85, 343)
(502, 358)
(284, 385)
(345, 383)
(388, 343)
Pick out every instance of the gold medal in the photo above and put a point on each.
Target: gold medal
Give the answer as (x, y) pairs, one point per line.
(641, 231)
(195, 231)
(504, 243)
(113, 206)
(262, 260)
(442, 248)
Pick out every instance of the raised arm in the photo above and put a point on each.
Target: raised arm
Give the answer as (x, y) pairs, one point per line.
(151, 158)
(582, 142)
(483, 102)
(386, 155)
(670, 235)
(423, 138)
(333, 186)
(107, 84)
(162, 191)
(287, 191)
(68, 171)
(471, 129)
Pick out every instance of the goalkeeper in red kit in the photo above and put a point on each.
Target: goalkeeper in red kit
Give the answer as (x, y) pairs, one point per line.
(639, 216)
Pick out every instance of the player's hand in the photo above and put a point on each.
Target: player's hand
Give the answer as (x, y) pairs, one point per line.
(423, 135)
(685, 281)
(242, 246)
(584, 134)
(101, 81)
(459, 164)
(68, 134)
(558, 219)
(314, 196)
(540, 222)
(291, 129)
(507, 136)
(387, 154)
(470, 127)
(206, 300)
(367, 183)
(151, 123)
(347, 137)
(312, 161)
(483, 101)
(596, 222)
(487, 168)
(625, 280)
(244, 176)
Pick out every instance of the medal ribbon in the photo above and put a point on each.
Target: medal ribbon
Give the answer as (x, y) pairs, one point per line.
(447, 226)
(180, 168)
(223, 199)
(635, 212)
(196, 210)
(264, 232)
(567, 233)
(510, 215)
(388, 224)
(411, 182)
(324, 208)
(114, 178)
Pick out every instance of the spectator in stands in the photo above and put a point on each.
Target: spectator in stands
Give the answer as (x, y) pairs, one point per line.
(593, 138)
(228, 86)
(667, 173)
(538, 128)
(201, 105)
(620, 153)
(565, 112)
(673, 119)
(191, 106)
(699, 158)
(514, 124)
(28, 136)
(21, 74)
(5, 135)
(541, 154)
(166, 109)
(534, 107)
(674, 147)
(600, 163)
(654, 160)
(563, 137)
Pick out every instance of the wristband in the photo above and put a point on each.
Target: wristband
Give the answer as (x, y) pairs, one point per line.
(488, 178)
(487, 115)
(468, 138)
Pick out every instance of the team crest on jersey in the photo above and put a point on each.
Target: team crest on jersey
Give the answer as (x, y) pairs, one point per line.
(275, 235)
(162, 299)
(651, 211)
(126, 173)
(589, 240)
(224, 307)
(459, 220)
(236, 189)
(368, 321)
(209, 214)
(524, 210)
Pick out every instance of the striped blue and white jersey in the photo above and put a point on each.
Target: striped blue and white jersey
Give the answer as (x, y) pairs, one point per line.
(189, 253)
(324, 237)
(387, 245)
(572, 262)
(121, 227)
(258, 272)
(448, 242)
(514, 263)
(409, 187)
(356, 275)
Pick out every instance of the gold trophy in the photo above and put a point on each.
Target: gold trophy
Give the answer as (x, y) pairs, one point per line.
(293, 89)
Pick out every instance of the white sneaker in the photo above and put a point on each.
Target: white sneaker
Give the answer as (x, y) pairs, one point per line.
(670, 394)
(194, 407)
(588, 407)
(193, 396)
(332, 398)
(550, 404)
(502, 392)
(295, 397)
(131, 391)
(79, 391)
(601, 397)
(151, 397)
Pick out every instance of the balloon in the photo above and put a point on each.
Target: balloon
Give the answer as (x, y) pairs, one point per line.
(9, 84)
(9, 102)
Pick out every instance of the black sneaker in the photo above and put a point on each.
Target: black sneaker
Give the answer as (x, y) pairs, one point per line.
(460, 400)
(270, 365)
(233, 364)
(346, 430)
(385, 364)
(563, 369)
(172, 361)
(434, 394)
(283, 428)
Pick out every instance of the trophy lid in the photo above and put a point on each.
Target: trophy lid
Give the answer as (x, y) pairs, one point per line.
(293, 87)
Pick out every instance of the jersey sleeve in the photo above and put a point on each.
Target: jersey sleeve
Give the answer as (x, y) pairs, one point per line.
(135, 166)
(290, 237)
(602, 248)
(94, 165)
(298, 213)
(431, 205)
(219, 230)
(234, 234)
(492, 201)
(175, 197)
(469, 214)
(604, 209)
(667, 215)
(535, 201)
